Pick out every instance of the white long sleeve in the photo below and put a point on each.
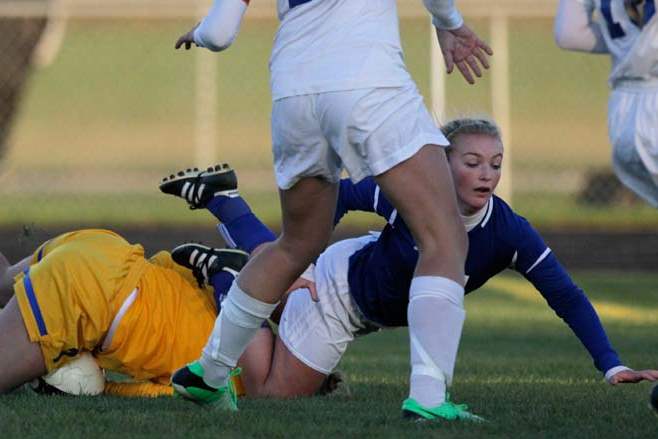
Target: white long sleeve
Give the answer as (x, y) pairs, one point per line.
(219, 28)
(575, 29)
(444, 14)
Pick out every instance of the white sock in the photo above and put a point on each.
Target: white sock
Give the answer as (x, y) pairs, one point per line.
(240, 318)
(436, 317)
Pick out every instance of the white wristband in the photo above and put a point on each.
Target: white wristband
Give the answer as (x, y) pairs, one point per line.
(219, 28)
(614, 371)
(444, 14)
(453, 21)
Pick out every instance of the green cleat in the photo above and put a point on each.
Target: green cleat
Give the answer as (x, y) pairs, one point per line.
(447, 411)
(188, 383)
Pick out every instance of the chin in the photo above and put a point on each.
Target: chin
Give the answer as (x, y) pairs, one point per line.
(476, 205)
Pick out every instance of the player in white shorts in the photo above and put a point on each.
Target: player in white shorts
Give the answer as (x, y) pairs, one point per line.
(343, 98)
(628, 32)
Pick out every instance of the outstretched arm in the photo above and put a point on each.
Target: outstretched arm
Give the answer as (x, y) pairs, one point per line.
(218, 29)
(540, 266)
(575, 29)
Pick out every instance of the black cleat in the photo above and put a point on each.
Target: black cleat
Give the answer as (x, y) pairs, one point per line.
(199, 187)
(206, 261)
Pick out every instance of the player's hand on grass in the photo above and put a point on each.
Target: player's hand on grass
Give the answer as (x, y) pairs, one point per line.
(187, 39)
(463, 48)
(633, 376)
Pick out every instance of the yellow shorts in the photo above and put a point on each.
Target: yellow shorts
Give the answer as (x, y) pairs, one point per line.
(73, 288)
(166, 325)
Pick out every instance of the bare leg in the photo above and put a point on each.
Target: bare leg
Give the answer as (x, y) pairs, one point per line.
(7, 274)
(271, 370)
(422, 191)
(20, 359)
(308, 213)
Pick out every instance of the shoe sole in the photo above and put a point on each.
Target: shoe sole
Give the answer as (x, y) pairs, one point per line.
(213, 251)
(211, 171)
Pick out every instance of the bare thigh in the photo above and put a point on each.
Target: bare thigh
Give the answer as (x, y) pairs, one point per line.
(308, 213)
(20, 359)
(422, 191)
(271, 370)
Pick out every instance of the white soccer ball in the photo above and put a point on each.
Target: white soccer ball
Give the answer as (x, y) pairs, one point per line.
(81, 376)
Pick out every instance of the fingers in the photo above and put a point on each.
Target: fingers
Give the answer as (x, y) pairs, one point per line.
(475, 68)
(466, 73)
(649, 375)
(484, 46)
(314, 292)
(450, 64)
(477, 52)
(186, 40)
(181, 41)
(628, 376)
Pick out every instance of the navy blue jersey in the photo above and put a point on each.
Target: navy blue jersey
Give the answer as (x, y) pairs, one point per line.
(380, 273)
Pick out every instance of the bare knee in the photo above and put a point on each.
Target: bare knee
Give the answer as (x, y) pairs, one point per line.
(302, 250)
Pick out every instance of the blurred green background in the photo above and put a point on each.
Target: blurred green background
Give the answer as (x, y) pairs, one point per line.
(116, 110)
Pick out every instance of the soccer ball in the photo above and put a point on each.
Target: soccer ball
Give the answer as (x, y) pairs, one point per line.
(81, 376)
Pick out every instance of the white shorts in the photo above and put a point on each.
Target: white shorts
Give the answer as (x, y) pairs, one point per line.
(366, 131)
(317, 333)
(633, 131)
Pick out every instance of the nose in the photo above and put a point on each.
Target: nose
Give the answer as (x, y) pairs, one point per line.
(486, 174)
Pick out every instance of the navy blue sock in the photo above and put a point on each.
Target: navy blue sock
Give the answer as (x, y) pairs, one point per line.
(221, 282)
(239, 227)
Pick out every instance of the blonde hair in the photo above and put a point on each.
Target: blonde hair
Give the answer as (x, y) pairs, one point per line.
(470, 125)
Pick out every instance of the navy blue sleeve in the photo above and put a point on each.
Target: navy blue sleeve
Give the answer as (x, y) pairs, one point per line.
(364, 196)
(538, 264)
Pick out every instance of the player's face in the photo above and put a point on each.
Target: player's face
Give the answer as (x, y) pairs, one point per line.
(475, 162)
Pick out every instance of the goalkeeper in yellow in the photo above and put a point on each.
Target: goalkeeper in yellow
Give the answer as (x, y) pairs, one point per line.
(92, 291)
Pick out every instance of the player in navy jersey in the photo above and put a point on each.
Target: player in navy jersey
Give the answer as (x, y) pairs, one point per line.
(363, 283)
(627, 30)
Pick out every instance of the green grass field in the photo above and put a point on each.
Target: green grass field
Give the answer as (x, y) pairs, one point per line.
(115, 112)
(519, 366)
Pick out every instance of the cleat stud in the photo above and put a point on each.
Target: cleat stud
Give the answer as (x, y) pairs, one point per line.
(181, 173)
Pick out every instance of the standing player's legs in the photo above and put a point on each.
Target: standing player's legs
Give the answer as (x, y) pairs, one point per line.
(402, 152)
(20, 359)
(307, 210)
(422, 191)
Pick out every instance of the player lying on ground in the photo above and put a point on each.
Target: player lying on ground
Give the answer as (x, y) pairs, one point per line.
(627, 30)
(91, 291)
(362, 283)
